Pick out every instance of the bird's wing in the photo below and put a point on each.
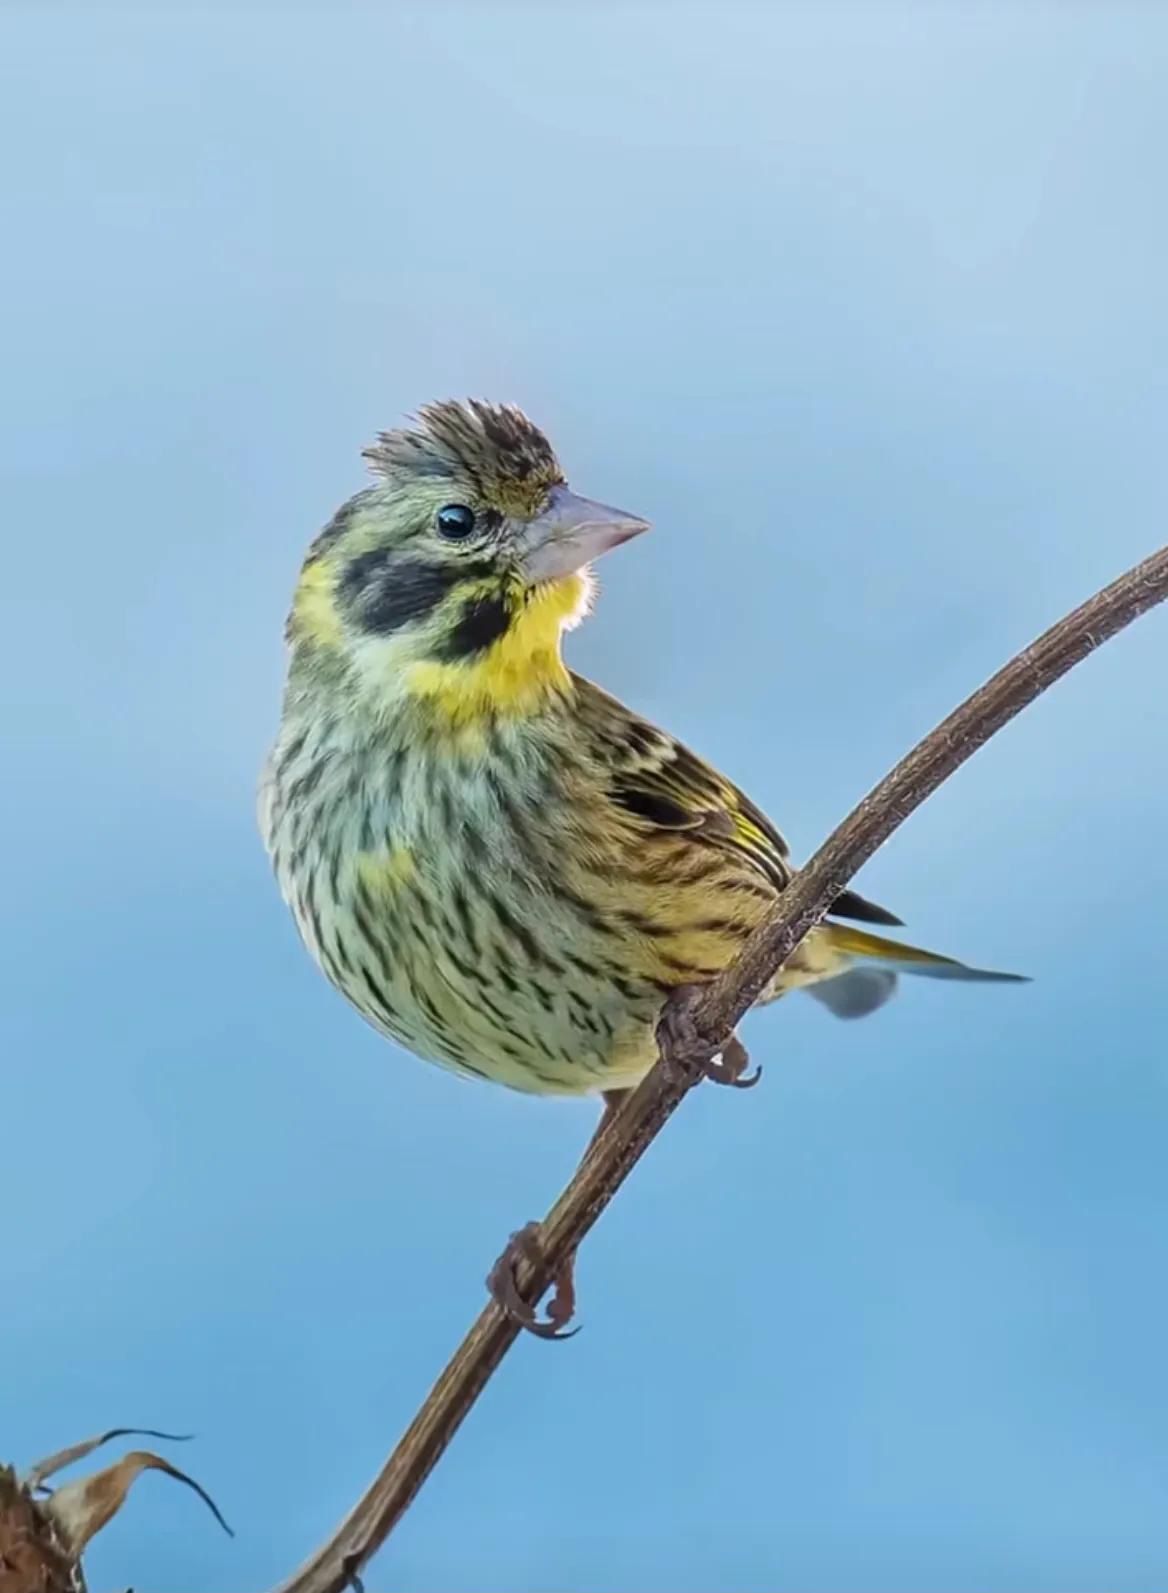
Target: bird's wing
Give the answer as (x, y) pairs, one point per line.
(658, 780)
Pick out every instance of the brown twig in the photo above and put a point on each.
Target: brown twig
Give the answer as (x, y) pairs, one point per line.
(708, 1023)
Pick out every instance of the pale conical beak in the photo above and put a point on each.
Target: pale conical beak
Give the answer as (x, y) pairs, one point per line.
(570, 533)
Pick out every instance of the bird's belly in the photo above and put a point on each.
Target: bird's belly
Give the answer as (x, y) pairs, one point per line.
(534, 954)
(494, 981)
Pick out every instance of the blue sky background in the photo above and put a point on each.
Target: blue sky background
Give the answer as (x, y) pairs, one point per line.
(865, 309)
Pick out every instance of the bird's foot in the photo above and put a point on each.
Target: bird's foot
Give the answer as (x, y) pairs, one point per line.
(688, 1055)
(732, 1066)
(503, 1287)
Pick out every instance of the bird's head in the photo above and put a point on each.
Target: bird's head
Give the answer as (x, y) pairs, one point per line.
(453, 578)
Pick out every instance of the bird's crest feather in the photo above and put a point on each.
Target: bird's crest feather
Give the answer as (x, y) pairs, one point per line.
(495, 445)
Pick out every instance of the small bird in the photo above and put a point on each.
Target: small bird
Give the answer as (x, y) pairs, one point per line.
(502, 867)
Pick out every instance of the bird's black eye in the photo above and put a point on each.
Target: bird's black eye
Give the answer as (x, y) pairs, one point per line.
(456, 521)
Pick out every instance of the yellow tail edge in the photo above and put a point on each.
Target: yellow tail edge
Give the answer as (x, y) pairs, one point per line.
(910, 959)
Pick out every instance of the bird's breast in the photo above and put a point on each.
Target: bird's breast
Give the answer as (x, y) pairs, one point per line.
(433, 893)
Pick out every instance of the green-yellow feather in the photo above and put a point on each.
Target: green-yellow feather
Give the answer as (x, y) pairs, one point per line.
(500, 865)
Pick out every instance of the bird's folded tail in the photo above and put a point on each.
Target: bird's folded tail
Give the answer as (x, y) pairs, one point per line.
(873, 964)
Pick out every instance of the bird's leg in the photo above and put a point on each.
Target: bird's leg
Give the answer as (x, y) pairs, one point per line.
(524, 1245)
(687, 1054)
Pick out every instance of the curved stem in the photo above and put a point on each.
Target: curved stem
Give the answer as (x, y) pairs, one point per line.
(711, 1020)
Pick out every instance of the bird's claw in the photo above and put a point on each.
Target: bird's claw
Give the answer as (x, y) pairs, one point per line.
(504, 1289)
(731, 1066)
(686, 1053)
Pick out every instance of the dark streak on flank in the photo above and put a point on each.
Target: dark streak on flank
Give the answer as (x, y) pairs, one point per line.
(305, 784)
(580, 1014)
(432, 1015)
(541, 1074)
(475, 846)
(501, 1020)
(381, 1005)
(591, 915)
(340, 954)
(449, 932)
(686, 970)
(364, 897)
(520, 933)
(543, 994)
(391, 773)
(426, 912)
(461, 905)
(642, 924)
(719, 926)
(329, 964)
(290, 753)
(468, 971)
(374, 942)
(590, 970)
(312, 910)
(744, 885)
(446, 810)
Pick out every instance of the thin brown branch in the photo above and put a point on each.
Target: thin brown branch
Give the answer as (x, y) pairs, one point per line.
(722, 1004)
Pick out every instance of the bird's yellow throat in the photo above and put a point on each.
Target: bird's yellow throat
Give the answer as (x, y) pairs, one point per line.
(516, 674)
(513, 676)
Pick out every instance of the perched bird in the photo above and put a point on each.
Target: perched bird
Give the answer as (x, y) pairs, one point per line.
(502, 867)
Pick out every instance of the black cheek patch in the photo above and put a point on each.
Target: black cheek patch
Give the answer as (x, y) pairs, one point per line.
(482, 621)
(387, 593)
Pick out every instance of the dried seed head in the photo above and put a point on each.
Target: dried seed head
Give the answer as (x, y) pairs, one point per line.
(33, 1558)
(42, 1540)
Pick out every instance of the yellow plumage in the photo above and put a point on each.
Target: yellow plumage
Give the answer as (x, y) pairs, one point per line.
(500, 865)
